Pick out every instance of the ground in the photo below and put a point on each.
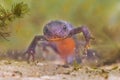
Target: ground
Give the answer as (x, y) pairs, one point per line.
(47, 70)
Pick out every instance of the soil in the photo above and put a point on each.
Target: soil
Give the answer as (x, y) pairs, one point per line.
(49, 70)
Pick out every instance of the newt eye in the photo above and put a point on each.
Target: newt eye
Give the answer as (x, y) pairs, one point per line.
(64, 27)
(46, 30)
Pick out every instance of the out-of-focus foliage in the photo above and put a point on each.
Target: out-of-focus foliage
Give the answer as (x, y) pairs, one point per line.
(101, 16)
(17, 11)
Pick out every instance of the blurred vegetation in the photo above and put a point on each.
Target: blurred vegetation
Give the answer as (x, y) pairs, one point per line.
(17, 11)
(101, 16)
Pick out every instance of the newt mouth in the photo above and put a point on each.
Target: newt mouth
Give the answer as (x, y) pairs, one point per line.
(57, 38)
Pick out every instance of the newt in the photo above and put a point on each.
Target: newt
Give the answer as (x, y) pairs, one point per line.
(60, 36)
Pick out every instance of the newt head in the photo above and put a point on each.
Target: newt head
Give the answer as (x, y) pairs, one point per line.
(57, 30)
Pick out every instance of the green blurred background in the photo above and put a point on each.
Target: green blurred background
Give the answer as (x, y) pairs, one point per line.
(101, 16)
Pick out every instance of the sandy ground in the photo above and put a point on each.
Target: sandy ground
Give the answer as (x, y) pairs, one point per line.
(46, 70)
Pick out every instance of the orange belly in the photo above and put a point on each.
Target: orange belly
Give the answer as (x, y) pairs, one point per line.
(66, 47)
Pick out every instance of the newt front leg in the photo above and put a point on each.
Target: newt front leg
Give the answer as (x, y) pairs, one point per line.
(86, 33)
(31, 49)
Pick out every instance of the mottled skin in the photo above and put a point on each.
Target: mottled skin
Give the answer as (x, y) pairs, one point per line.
(60, 36)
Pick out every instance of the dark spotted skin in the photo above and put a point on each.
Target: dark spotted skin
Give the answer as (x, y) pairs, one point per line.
(60, 36)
